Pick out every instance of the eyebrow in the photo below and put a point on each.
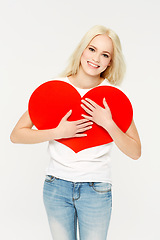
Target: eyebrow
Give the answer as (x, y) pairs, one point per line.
(103, 51)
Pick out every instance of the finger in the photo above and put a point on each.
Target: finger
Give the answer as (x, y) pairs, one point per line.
(83, 129)
(105, 103)
(88, 105)
(80, 135)
(87, 110)
(92, 102)
(83, 125)
(87, 117)
(67, 115)
(83, 120)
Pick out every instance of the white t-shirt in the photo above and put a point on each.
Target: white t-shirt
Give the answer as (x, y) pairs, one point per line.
(88, 165)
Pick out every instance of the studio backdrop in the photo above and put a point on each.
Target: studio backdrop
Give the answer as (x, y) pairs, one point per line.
(37, 38)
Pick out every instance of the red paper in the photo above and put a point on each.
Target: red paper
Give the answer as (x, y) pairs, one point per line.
(53, 99)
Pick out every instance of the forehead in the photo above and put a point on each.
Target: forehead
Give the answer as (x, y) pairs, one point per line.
(102, 42)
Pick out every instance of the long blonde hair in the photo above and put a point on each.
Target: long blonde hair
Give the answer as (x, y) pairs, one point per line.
(115, 72)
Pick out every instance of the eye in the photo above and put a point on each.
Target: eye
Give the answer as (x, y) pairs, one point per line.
(91, 49)
(106, 56)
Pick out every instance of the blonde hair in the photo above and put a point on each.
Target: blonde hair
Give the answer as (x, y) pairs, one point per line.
(115, 72)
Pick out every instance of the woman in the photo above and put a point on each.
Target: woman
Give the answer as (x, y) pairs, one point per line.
(78, 185)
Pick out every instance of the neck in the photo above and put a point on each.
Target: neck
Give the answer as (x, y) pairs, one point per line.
(84, 81)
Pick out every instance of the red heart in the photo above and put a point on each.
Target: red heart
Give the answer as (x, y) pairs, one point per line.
(53, 99)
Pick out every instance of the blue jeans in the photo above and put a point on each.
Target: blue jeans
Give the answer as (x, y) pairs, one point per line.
(89, 202)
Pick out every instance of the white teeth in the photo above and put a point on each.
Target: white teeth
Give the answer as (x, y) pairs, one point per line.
(93, 65)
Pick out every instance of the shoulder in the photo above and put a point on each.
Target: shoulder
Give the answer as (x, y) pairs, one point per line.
(124, 90)
(107, 83)
(64, 79)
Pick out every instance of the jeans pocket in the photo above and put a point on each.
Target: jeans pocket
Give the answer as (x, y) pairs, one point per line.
(49, 178)
(101, 187)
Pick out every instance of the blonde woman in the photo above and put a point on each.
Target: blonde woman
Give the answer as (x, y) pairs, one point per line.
(78, 186)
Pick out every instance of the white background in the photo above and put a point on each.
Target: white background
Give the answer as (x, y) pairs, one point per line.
(37, 38)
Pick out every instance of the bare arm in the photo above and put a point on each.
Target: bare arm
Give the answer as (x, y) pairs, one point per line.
(23, 132)
(129, 142)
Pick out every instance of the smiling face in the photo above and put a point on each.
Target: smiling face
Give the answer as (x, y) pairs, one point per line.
(97, 56)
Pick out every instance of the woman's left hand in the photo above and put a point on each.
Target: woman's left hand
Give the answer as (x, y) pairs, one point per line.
(99, 115)
(129, 142)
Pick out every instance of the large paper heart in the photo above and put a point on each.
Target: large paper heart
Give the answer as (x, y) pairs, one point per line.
(53, 99)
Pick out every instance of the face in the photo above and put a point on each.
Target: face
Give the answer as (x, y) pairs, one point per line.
(97, 56)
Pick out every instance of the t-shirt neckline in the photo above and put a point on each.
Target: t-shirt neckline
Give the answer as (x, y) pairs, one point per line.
(85, 89)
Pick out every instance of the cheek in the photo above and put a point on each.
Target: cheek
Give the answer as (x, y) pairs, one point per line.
(84, 58)
(86, 54)
(105, 62)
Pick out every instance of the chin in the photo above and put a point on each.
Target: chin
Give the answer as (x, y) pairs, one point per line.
(92, 72)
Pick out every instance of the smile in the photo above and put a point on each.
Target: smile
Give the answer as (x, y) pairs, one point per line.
(93, 65)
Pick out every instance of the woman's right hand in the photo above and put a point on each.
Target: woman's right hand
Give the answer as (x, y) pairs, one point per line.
(23, 132)
(69, 129)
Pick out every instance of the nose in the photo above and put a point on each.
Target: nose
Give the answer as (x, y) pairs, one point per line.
(96, 57)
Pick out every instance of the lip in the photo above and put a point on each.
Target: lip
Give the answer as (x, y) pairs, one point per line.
(96, 66)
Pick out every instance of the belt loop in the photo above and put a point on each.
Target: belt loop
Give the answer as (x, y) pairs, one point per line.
(91, 184)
